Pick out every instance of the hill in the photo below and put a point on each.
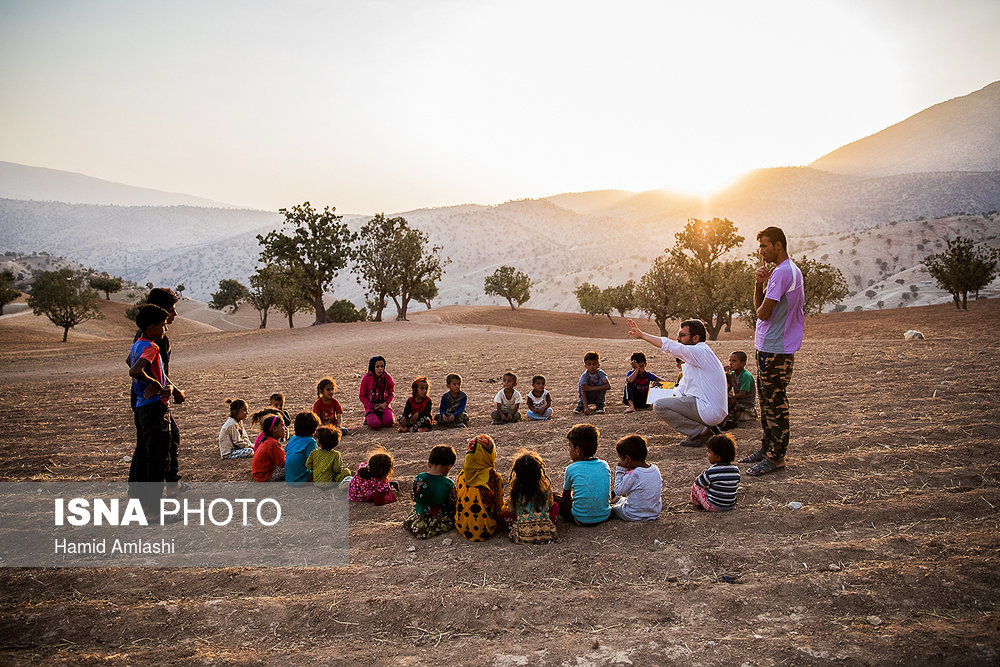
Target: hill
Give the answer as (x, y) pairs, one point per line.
(603, 237)
(962, 134)
(18, 181)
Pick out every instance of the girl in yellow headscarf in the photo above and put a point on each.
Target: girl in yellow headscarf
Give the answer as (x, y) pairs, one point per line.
(478, 496)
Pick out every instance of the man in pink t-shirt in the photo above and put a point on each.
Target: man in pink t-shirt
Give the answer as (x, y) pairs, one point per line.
(779, 299)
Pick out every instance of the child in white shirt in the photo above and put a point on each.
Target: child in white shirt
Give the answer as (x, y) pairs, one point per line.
(637, 484)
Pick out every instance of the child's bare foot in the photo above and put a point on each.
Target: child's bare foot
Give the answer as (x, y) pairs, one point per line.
(402, 429)
(422, 429)
(629, 409)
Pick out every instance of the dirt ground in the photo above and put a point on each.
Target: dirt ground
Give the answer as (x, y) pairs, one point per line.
(892, 559)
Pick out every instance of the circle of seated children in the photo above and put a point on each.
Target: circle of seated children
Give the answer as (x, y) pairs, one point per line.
(476, 506)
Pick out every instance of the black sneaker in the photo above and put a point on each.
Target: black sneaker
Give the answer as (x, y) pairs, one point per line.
(600, 409)
(578, 409)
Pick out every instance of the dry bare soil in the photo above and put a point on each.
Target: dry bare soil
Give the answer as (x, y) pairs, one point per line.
(892, 558)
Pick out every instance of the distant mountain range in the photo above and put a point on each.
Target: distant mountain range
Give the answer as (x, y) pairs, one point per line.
(18, 181)
(942, 161)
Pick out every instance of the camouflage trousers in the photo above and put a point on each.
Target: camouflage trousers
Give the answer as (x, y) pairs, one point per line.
(774, 371)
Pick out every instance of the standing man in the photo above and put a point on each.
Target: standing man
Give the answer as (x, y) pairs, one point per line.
(779, 299)
(701, 398)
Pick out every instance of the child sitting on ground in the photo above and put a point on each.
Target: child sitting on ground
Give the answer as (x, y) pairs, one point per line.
(715, 489)
(508, 401)
(433, 511)
(586, 497)
(299, 447)
(478, 496)
(269, 458)
(743, 391)
(277, 401)
(452, 409)
(257, 419)
(371, 483)
(417, 411)
(233, 440)
(376, 393)
(325, 462)
(530, 513)
(594, 384)
(538, 399)
(326, 406)
(637, 383)
(638, 483)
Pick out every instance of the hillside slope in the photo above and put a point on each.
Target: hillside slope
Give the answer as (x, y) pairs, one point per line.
(962, 134)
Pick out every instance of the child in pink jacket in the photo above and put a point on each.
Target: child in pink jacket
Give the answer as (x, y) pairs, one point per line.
(376, 394)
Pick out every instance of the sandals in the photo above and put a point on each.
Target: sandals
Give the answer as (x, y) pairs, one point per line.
(756, 457)
(763, 467)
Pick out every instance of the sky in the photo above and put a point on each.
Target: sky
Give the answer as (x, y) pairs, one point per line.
(379, 105)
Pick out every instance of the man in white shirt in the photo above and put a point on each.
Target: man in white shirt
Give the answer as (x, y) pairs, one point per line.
(701, 399)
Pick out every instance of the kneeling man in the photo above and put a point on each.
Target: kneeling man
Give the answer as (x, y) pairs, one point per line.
(700, 399)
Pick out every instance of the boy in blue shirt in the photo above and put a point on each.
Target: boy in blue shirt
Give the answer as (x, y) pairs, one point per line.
(152, 390)
(452, 409)
(593, 385)
(586, 497)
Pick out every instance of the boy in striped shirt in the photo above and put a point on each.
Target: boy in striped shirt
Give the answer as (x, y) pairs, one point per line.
(715, 489)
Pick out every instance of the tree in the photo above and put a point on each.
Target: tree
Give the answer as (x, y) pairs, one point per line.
(372, 257)
(962, 268)
(594, 301)
(622, 297)
(106, 283)
(318, 247)
(411, 264)
(697, 253)
(230, 293)
(659, 290)
(63, 298)
(343, 310)
(425, 293)
(508, 283)
(7, 292)
(263, 292)
(290, 294)
(824, 284)
(180, 289)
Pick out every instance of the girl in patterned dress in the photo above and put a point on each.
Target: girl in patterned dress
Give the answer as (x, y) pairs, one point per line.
(433, 512)
(530, 513)
(371, 482)
(478, 497)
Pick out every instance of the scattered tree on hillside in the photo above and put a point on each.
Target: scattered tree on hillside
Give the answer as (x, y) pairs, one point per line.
(63, 297)
(180, 289)
(230, 293)
(371, 258)
(318, 247)
(962, 268)
(594, 301)
(343, 310)
(7, 293)
(622, 297)
(426, 292)
(410, 263)
(659, 290)
(263, 292)
(824, 284)
(508, 283)
(106, 283)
